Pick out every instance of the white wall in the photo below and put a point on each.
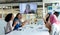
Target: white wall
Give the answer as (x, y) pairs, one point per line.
(50, 1)
(17, 4)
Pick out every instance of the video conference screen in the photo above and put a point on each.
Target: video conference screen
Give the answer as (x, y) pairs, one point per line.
(28, 8)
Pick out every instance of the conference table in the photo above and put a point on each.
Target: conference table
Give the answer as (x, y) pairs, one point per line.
(31, 29)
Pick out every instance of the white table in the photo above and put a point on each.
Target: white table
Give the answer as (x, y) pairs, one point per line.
(30, 31)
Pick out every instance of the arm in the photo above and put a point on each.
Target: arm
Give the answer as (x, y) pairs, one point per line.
(10, 27)
(23, 23)
(25, 12)
(15, 22)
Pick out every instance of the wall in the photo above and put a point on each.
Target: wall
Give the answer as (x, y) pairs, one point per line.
(50, 1)
(17, 4)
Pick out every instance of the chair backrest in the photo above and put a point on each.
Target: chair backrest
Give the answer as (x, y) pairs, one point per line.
(2, 24)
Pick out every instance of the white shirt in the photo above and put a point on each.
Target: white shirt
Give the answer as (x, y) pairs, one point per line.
(8, 27)
(11, 22)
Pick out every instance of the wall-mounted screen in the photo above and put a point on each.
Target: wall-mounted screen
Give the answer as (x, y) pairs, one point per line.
(28, 8)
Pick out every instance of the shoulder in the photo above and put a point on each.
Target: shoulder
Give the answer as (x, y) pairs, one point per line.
(51, 16)
(15, 19)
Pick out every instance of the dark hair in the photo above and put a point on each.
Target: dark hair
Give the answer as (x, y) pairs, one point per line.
(28, 5)
(8, 17)
(56, 13)
(17, 15)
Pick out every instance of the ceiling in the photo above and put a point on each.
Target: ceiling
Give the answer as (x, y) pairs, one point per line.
(18, 1)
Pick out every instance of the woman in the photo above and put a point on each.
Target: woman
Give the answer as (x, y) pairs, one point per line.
(54, 18)
(9, 19)
(28, 10)
(47, 21)
(17, 23)
(55, 23)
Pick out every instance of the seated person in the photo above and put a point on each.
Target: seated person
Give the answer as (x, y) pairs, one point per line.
(9, 20)
(47, 21)
(54, 18)
(55, 23)
(17, 22)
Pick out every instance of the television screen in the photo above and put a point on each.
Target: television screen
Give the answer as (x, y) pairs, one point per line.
(28, 8)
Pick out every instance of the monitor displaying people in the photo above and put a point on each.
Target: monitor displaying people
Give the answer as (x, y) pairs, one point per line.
(28, 8)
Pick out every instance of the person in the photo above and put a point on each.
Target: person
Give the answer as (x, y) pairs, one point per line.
(54, 18)
(28, 10)
(47, 21)
(55, 23)
(9, 19)
(17, 22)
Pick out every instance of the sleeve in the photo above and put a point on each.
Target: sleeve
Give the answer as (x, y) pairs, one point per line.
(55, 19)
(10, 28)
(51, 18)
(15, 20)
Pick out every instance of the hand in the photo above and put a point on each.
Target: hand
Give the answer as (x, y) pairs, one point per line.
(24, 23)
(27, 21)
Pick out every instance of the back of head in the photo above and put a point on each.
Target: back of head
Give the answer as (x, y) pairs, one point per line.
(56, 13)
(8, 17)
